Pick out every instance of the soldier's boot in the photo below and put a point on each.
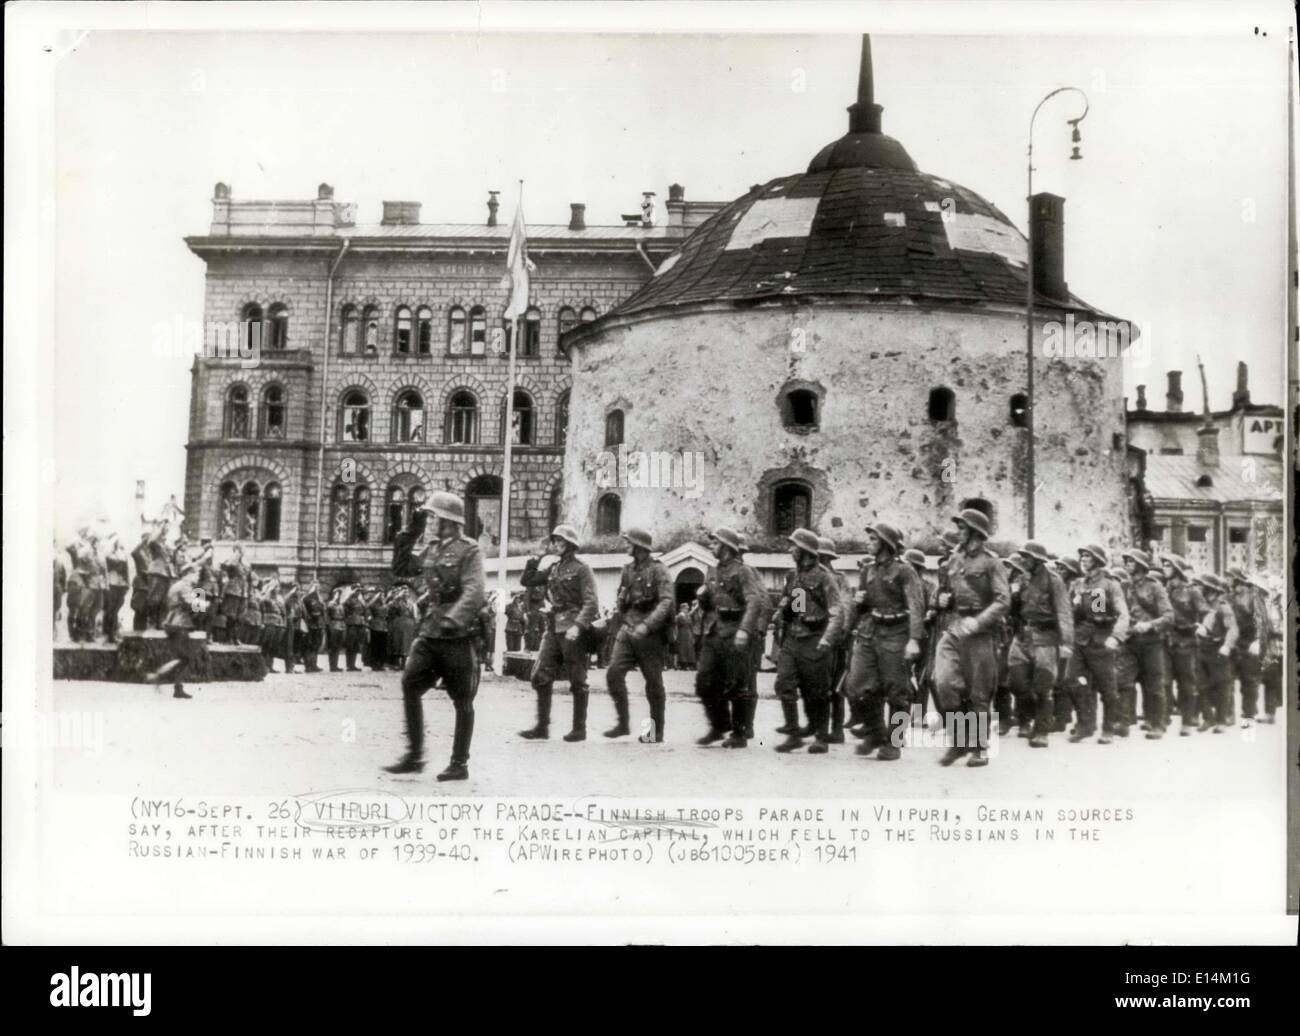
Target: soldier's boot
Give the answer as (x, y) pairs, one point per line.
(543, 728)
(458, 768)
(178, 691)
(656, 734)
(739, 736)
(836, 735)
(856, 716)
(952, 723)
(821, 721)
(719, 722)
(791, 728)
(413, 760)
(579, 731)
(622, 728)
(751, 708)
(889, 750)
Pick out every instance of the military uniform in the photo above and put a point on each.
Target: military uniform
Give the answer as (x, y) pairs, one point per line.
(335, 631)
(1251, 610)
(251, 629)
(119, 579)
(452, 569)
(235, 578)
(273, 619)
(60, 584)
(377, 623)
(1046, 625)
(314, 617)
(1189, 608)
(645, 598)
(571, 590)
(534, 620)
(1100, 613)
(179, 623)
(1271, 658)
(966, 665)
(1218, 639)
(355, 615)
(1148, 604)
(514, 624)
(159, 569)
(811, 618)
(732, 600)
(1018, 708)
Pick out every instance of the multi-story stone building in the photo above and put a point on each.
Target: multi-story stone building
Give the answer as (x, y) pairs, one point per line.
(379, 370)
(1213, 479)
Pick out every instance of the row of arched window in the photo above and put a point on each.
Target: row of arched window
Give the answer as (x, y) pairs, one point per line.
(467, 332)
(460, 425)
(250, 512)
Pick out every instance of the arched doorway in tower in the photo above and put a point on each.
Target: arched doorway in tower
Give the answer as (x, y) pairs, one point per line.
(483, 508)
(687, 585)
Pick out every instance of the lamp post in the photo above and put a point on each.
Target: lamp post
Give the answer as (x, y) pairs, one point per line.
(1031, 488)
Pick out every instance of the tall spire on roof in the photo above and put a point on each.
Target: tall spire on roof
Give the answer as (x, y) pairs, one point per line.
(864, 113)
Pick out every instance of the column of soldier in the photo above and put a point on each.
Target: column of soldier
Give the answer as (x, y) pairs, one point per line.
(1030, 640)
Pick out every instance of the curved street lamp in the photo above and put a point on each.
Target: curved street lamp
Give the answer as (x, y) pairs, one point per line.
(1075, 139)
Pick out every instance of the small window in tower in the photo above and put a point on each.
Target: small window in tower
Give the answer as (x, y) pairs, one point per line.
(1196, 534)
(1238, 534)
(609, 513)
(943, 404)
(614, 428)
(791, 507)
(1019, 410)
(1204, 481)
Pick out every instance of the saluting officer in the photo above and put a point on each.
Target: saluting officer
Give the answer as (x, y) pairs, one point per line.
(336, 627)
(159, 570)
(1150, 615)
(827, 555)
(235, 579)
(734, 609)
(444, 646)
(645, 606)
(1189, 608)
(119, 577)
(1218, 638)
(355, 616)
(1101, 621)
(1045, 637)
(179, 623)
(1250, 605)
(314, 618)
(811, 617)
(890, 611)
(966, 665)
(571, 588)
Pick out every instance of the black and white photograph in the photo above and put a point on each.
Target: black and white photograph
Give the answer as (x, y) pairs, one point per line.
(650, 473)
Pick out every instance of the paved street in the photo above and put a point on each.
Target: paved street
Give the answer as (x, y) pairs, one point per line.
(290, 734)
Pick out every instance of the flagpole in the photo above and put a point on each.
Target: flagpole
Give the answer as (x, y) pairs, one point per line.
(499, 645)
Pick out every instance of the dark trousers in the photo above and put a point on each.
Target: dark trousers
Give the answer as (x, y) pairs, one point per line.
(232, 608)
(645, 654)
(513, 640)
(1214, 677)
(250, 634)
(158, 586)
(456, 664)
(378, 654)
(334, 639)
(87, 608)
(878, 676)
(355, 644)
(288, 649)
(183, 649)
(1144, 663)
(310, 648)
(1271, 677)
(114, 598)
(804, 669)
(1032, 667)
(1095, 663)
(722, 684)
(1247, 670)
(1182, 667)
(272, 643)
(140, 619)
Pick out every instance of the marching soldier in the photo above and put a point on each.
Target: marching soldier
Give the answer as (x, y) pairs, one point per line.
(890, 609)
(1019, 712)
(179, 623)
(444, 646)
(377, 623)
(811, 617)
(923, 667)
(1250, 604)
(1150, 616)
(119, 578)
(1189, 608)
(571, 589)
(355, 616)
(534, 618)
(734, 606)
(514, 623)
(335, 627)
(273, 626)
(235, 579)
(1218, 639)
(207, 582)
(1063, 694)
(1101, 621)
(827, 555)
(644, 604)
(1045, 637)
(965, 659)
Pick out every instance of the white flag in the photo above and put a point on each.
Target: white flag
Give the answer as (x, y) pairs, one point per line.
(518, 266)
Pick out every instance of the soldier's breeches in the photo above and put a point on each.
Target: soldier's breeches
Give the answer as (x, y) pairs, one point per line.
(1182, 666)
(1271, 676)
(804, 668)
(1214, 678)
(114, 598)
(1146, 664)
(1096, 663)
(878, 673)
(557, 656)
(452, 661)
(158, 586)
(723, 674)
(1247, 669)
(646, 654)
(966, 670)
(1033, 664)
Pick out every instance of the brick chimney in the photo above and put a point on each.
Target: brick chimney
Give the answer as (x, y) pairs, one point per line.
(1174, 395)
(577, 215)
(493, 205)
(1207, 446)
(1241, 398)
(401, 213)
(1142, 397)
(1047, 239)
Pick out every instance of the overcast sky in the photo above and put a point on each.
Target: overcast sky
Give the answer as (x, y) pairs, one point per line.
(1176, 217)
